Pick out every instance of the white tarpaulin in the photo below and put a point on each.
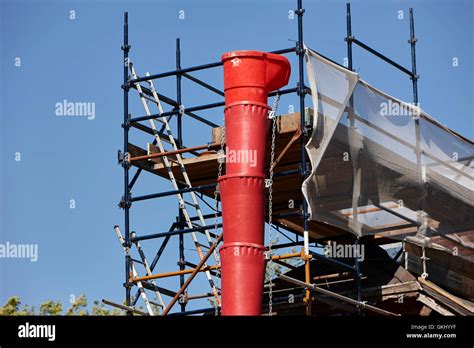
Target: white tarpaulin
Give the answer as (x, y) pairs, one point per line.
(380, 164)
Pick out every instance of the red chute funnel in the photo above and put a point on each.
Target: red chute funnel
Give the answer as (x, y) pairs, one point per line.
(248, 78)
(251, 75)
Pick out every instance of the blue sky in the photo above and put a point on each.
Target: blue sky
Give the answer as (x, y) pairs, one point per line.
(79, 60)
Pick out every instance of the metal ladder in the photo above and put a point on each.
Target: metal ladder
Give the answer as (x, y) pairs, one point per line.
(135, 274)
(179, 161)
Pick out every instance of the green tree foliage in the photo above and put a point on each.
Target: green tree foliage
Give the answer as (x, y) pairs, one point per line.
(79, 306)
(27, 310)
(11, 307)
(50, 307)
(99, 309)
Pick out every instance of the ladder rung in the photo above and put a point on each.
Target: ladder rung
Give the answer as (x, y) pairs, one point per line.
(195, 225)
(169, 134)
(149, 286)
(159, 119)
(165, 138)
(148, 98)
(138, 261)
(173, 160)
(156, 304)
(191, 204)
(150, 131)
(183, 184)
(197, 218)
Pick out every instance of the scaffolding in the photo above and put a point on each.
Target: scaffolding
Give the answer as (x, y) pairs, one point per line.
(204, 235)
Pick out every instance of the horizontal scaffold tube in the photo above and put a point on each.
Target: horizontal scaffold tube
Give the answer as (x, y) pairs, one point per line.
(174, 192)
(197, 68)
(203, 269)
(175, 152)
(176, 232)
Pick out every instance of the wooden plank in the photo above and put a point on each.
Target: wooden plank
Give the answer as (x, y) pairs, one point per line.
(401, 275)
(316, 230)
(390, 290)
(425, 311)
(442, 274)
(288, 123)
(136, 151)
(429, 302)
(455, 263)
(460, 302)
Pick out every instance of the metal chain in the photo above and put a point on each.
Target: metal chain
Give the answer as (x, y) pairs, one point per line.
(220, 160)
(272, 116)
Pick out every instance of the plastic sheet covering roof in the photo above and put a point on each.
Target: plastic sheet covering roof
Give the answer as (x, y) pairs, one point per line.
(383, 166)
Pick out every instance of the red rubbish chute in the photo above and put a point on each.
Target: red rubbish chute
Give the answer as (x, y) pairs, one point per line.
(248, 78)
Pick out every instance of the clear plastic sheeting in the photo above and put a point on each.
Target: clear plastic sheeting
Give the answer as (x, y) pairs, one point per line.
(380, 165)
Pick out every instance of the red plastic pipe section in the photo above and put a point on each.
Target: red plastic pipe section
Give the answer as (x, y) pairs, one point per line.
(248, 78)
